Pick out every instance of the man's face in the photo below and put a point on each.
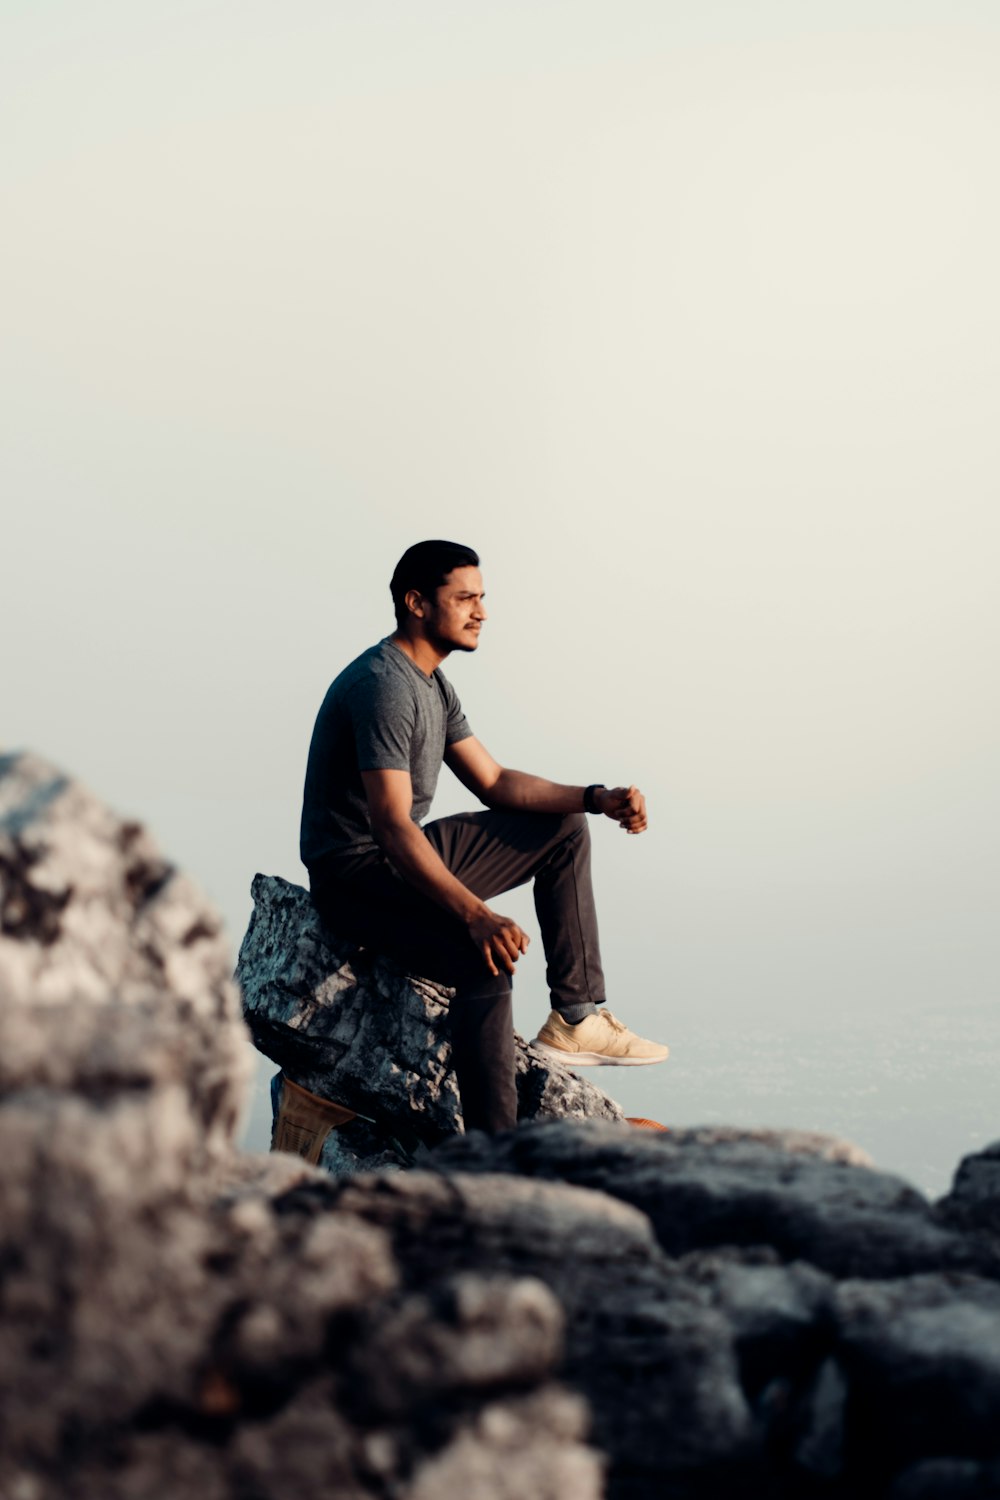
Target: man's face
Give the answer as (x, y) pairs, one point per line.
(454, 618)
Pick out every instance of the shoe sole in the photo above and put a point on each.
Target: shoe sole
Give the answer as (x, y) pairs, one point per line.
(595, 1059)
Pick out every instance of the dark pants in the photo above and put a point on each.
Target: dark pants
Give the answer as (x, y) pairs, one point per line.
(362, 898)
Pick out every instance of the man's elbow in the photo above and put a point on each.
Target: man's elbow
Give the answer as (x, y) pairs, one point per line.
(389, 831)
(493, 794)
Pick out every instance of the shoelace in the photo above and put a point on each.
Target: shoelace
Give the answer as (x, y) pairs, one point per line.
(618, 1025)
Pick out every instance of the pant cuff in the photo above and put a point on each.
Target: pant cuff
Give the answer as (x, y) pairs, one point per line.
(574, 1013)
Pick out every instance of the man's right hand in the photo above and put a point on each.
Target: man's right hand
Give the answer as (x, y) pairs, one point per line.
(499, 939)
(625, 805)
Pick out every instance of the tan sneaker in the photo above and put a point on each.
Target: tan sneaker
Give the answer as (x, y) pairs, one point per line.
(600, 1038)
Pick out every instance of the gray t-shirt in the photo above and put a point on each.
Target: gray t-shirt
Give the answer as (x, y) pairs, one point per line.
(381, 713)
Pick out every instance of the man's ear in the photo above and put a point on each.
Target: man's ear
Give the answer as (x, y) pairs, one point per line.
(414, 601)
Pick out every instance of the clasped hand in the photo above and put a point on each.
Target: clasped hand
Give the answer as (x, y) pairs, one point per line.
(625, 805)
(499, 939)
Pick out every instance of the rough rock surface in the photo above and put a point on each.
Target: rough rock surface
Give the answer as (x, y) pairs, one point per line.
(724, 1312)
(356, 1029)
(925, 1352)
(974, 1200)
(703, 1188)
(168, 1324)
(92, 913)
(644, 1342)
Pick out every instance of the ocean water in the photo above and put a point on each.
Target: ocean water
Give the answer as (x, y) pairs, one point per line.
(916, 1092)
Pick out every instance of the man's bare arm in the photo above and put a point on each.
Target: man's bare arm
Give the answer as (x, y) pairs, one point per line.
(390, 800)
(498, 786)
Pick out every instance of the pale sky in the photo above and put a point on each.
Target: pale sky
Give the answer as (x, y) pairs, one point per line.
(686, 317)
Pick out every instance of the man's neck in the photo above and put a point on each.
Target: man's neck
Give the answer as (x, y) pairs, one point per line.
(423, 655)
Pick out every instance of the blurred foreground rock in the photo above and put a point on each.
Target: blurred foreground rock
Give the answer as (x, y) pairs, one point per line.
(974, 1200)
(168, 1323)
(724, 1312)
(702, 1189)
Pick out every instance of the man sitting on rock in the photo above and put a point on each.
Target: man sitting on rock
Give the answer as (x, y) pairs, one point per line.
(418, 893)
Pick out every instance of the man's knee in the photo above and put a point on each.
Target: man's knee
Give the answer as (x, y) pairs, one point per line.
(568, 839)
(482, 989)
(571, 841)
(575, 826)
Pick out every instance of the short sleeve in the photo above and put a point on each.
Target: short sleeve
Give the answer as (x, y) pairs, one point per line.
(456, 724)
(383, 717)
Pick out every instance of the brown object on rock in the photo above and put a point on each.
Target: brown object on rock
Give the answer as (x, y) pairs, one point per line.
(304, 1121)
(642, 1124)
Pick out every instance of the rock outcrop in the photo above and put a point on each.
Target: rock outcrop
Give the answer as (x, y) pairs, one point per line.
(169, 1322)
(864, 1328)
(356, 1029)
(974, 1200)
(702, 1189)
(572, 1310)
(91, 914)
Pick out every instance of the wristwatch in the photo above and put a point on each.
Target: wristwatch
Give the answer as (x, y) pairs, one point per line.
(589, 801)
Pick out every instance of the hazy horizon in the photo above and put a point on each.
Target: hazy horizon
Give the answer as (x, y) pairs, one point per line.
(687, 321)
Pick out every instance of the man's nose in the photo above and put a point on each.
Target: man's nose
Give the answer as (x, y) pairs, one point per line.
(480, 611)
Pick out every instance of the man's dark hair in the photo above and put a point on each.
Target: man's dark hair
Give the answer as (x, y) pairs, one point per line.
(424, 567)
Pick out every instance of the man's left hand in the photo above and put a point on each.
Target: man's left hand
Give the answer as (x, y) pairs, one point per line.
(625, 805)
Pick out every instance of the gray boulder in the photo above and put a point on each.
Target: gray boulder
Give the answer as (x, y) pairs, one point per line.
(700, 1190)
(356, 1029)
(644, 1342)
(778, 1314)
(92, 914)
(791, 1142)
(781, 1323)
(974, 1200)
(923, 1358)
